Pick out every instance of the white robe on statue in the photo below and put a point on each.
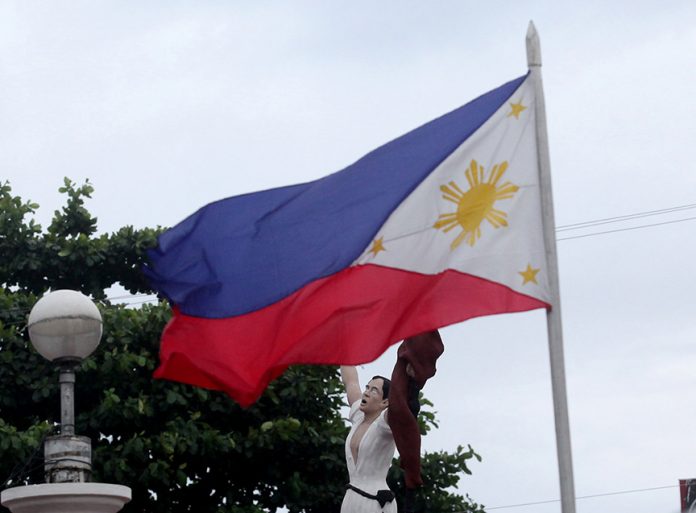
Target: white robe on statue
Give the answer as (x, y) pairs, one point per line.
(369, 473)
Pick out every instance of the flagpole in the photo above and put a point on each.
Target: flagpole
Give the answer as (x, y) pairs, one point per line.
(553, 316)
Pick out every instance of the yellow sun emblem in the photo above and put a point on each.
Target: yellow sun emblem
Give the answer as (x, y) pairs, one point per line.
(476, 204)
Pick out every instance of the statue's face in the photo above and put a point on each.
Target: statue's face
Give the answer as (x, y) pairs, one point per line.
(372, 398)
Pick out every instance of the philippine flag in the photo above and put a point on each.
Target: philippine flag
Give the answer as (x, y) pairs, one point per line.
(438, 226)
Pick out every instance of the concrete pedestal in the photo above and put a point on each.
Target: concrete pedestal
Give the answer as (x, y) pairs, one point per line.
(66, 498)
(68, 459)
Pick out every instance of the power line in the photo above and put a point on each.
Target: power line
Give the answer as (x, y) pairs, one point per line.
(152, 297)
(625, 229)
(141, 302)
(128, 296)
(622, 492)
(626, 217)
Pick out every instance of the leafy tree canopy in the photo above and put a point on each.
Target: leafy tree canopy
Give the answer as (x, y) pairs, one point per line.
(180, 448)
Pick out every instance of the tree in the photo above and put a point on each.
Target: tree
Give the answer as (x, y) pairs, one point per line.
(178, 447)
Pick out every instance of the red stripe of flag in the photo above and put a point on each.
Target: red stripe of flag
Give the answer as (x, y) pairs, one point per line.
(351, 317)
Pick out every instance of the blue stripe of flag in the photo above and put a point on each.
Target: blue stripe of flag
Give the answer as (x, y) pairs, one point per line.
(244, 253)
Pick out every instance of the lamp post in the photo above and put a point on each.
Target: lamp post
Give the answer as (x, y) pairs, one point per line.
(65, 327)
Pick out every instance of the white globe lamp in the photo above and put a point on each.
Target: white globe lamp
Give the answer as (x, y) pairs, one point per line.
(65, 325)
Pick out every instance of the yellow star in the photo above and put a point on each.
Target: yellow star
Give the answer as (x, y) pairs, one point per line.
(377, 246)
(517, 109)
(529, 275)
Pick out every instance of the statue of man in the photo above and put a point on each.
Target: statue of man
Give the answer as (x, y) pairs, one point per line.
(369, 446)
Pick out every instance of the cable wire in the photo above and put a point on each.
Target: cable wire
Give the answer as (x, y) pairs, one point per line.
(626, 229)
(606, 494)
(626, 217)
(152, 297)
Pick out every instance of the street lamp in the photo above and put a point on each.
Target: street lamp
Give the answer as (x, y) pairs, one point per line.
(65, 327)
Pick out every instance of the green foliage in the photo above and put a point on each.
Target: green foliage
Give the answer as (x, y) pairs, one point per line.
(67, 256)
(180, 448)
(441, 473)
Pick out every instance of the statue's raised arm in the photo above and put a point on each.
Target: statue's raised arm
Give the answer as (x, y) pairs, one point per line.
(351, 383)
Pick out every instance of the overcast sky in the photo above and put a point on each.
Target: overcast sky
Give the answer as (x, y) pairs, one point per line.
(166, 106)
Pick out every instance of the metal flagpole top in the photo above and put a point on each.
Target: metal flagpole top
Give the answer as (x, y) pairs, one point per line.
(533, 46)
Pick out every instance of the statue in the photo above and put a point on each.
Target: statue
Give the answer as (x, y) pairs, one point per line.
(385, 416)
(369, 446)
